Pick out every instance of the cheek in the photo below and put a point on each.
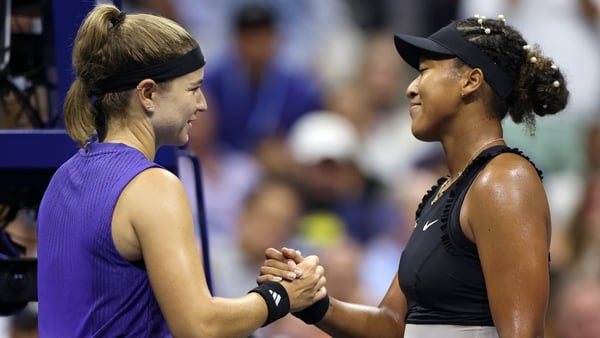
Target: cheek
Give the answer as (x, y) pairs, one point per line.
(429, 121)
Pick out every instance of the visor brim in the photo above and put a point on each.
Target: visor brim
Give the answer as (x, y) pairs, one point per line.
(412, 48)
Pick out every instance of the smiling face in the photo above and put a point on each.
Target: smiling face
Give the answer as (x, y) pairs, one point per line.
(435, 97)
(176, 106)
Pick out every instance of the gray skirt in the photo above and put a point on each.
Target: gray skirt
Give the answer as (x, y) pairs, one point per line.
(449, 331)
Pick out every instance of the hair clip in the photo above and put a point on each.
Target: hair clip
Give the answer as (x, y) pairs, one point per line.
(545, 106)
(553, 66)
(556, 84)
(526, 47)
(115, 21)
(533, 59)
(501, 18)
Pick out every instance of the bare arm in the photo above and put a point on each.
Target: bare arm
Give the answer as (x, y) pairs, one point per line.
(346, 319)
(508, 217)
(159, 211)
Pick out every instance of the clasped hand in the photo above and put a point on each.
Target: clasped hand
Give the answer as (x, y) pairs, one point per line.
(302, 277)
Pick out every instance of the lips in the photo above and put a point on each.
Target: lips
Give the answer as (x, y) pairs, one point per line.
(413, 107)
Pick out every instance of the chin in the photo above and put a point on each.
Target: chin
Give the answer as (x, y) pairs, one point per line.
(176, 142)
(182, 142)
(423, 136)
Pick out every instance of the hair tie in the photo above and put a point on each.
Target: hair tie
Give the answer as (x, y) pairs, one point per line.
(117, 20)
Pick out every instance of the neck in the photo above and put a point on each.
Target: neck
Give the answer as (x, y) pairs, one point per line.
(133, 134)
(462, 157)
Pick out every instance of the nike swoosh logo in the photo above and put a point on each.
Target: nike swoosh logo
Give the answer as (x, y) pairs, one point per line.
(428, 224)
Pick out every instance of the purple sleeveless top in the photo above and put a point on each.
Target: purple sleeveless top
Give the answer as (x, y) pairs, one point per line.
(85, 287)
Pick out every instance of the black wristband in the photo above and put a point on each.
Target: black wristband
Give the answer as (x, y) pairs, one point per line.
(276, 297)
(315, 312)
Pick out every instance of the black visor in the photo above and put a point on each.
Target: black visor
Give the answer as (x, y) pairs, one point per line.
(448, 41)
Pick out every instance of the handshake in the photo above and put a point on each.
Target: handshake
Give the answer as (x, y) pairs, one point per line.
(302, 279)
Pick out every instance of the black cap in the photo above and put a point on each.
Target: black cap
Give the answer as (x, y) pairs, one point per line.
(448, 41)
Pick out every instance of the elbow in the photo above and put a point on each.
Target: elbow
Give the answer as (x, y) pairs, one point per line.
(521, 333)
(196, 330)
(194, 327)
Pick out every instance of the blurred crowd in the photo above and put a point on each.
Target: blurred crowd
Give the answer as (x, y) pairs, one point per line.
(307, 141)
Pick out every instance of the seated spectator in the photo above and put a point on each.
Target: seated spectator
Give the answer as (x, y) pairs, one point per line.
(254, 96)
(340, 200)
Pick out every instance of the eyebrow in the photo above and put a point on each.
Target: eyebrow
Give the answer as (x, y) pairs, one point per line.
(197, 82)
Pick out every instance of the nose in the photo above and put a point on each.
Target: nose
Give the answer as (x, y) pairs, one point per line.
(201, 103)
(412, 90)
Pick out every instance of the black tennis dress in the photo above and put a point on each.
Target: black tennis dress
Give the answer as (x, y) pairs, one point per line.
(439, 272)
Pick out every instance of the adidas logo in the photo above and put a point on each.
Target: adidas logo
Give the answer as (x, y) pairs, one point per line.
(276, 297)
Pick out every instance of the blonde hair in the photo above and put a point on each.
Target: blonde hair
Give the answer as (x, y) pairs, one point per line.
(107, 43)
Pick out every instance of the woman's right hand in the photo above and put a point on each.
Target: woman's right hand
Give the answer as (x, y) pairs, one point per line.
(303, 278)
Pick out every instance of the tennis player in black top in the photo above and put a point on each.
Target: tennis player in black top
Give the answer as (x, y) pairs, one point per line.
(476, 264)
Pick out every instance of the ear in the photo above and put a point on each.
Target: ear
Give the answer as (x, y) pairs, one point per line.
(145, 93)
(472, 81)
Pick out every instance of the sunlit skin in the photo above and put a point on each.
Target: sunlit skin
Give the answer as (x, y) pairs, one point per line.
(505, 212)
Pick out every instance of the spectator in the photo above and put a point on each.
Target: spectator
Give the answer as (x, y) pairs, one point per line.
(254, 96)
(340, 200)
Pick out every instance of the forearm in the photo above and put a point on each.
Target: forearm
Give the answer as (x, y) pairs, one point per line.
(236, 317)
(221, 317)
(353, 320)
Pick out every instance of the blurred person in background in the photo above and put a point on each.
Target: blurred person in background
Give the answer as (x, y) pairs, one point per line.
(255, 98)
(339, 199)
(319, 37)
(575, 311)
(576, 233)
(24, 77)
(583, 235)
(268, 217)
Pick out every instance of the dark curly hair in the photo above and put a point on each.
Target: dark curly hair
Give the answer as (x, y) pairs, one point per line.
(540, 88)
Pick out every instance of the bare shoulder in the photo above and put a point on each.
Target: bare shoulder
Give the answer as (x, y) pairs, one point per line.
(156, 177)
(507, 173)
(507, 197)
(155, 194)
